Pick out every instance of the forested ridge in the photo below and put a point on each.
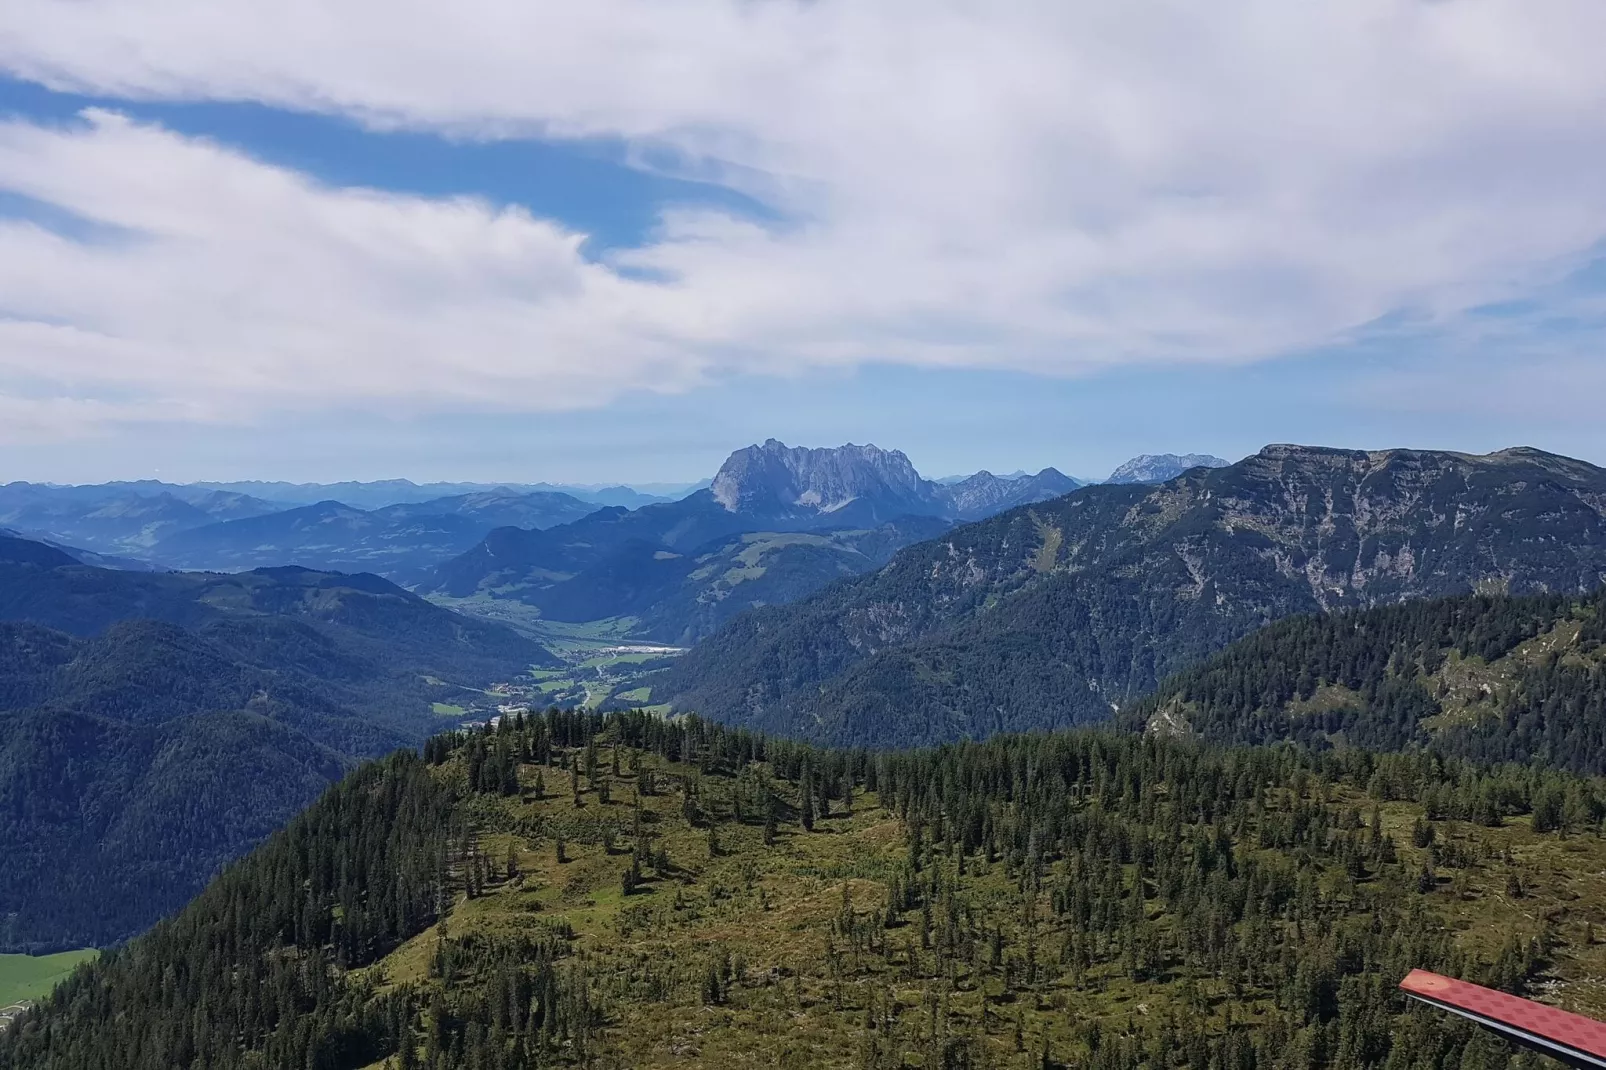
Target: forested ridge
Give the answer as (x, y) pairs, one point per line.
(153, 727)
(621, 890)
(1491, 678)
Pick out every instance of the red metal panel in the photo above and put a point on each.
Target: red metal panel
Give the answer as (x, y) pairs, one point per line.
(1520, 1015)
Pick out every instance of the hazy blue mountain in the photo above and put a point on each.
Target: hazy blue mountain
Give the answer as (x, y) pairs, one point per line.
(680, 567)
(378, 494)
(121, 524)
(365, 495)
(1059, 612)
(83, 557)
(632, 497)
(498, 508)
(1159, 467)
(402, 541)
(984, 494)
(327, 535)
(512, 561)
(117, 518)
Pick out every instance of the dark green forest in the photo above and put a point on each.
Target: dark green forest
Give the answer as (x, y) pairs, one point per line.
(138, 756)
(1494, 679)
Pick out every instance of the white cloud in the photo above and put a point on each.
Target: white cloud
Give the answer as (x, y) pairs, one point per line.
(1055, 186)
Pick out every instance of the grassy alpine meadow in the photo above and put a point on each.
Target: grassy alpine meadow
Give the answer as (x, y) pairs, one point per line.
(30, 977)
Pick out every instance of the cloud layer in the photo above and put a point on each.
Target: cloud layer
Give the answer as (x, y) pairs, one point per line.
(1054, 187)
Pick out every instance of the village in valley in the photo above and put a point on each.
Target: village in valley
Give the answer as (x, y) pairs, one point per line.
(619, 676)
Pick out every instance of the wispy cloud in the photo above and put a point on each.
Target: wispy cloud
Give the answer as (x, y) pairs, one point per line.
(1053, 187)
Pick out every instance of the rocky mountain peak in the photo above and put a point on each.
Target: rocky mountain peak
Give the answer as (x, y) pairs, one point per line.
(774, 475)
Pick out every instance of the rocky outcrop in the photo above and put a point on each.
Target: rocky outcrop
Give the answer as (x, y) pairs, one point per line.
(774, 476)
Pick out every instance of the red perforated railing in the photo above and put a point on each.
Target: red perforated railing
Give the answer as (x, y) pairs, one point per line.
(1571, 1038)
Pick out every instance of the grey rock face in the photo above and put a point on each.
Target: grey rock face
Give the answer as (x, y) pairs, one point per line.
(761, 479)
(1161, 467)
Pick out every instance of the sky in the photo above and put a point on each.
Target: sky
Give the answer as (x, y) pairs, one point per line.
(518, 240)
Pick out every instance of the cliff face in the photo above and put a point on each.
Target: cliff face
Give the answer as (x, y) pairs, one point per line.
(1058, 612)
(773, 476)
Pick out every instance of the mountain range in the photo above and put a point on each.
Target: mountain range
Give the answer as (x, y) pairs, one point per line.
(1064, 611)
(378, 494)
(403, 541)
(634, 889)
(404, 531)
(136, 519)
(155, 725)
(681, 568)
(114, 519)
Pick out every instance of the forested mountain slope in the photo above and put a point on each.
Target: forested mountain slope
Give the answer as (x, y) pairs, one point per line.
(42, 585)
(1494, 678)
(681, 596)
(140, 754)
(1064, 611)
(632, 892)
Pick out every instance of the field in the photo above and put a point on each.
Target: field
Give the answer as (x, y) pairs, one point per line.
(603, 661)
(30, 977)
(596, 674)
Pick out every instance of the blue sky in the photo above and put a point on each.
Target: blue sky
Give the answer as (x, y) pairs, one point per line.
(526, 244)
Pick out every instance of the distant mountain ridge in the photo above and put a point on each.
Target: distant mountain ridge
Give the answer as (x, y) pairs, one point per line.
(1160, 467)
(682, 568)
(868, 483)
(116, 519)
(1061, 611)
(382, 493)
(774, 477)
(402, 541)
(133, 519)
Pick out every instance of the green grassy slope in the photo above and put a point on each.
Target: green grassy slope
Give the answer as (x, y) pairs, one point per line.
(634, 893)
(30, 977)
